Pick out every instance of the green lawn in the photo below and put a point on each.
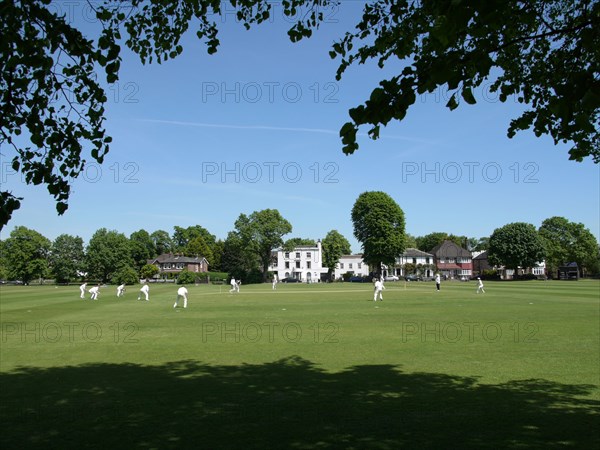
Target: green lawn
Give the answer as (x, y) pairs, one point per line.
(305, 367)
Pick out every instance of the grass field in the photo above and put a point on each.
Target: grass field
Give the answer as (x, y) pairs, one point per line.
(304, 367)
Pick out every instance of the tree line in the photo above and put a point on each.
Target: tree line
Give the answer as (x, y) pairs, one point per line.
(247, 251)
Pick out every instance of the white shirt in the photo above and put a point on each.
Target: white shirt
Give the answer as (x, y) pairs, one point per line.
(182, 291)
(145, 288)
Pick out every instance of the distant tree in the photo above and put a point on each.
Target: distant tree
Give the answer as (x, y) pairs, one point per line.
(410, 268)
(139, 254)
(3, 263)
(26, 254)
(127, 275)
(237, 260)
(186, 277)
(429, 241)
(566, 242)
(66, 258)
(410, 241)
(149, 271)
(292, 243)
(183, 236)
(107, 253)
(515, 245)
(162, 242)
(261, 232)
(379, 226)
(334, 245)
(144, 238)
(217, 251)
(198, 247)
(482, 244)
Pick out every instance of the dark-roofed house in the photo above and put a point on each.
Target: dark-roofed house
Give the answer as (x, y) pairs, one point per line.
(480, 263)
(452, 261)
(172, 263)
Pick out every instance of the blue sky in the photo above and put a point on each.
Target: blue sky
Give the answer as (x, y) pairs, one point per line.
(201, 139)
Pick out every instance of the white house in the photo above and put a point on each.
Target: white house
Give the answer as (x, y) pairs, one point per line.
(422, 261)
(351, 263)
(305, 263)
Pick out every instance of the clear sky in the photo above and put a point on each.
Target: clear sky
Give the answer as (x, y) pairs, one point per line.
(204, 138)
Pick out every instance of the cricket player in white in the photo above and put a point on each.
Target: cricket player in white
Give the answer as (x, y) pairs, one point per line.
(121, 290)
(82, 290)
(235, 285)
(379, 287)
(181, 292)
(479, 286)
(274, 281)
(94, 291)
(145, 289)
(438, 281)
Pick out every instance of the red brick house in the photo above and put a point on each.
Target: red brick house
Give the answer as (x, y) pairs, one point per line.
(173, 263)
(452, 261)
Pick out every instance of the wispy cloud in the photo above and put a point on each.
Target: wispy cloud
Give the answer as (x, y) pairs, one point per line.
(286, 129)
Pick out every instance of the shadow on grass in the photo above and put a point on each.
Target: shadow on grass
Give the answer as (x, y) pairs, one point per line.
(285, 404)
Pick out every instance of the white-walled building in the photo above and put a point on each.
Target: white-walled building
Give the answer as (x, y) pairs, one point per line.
(423, 260)
(351, 263)
(305, 263)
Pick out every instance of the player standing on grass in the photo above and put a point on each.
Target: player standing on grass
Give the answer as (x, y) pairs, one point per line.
(438, 281)
(121, 290)
(274, 281)
(145, 289)
(479, 286)
(82, 290)
(181, 292)
(94, 291)
(379, 287)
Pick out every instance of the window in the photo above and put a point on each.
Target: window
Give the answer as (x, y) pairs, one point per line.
(308, 255)
(166, 266)
(414, 260)
(341, 265)
(287, 264)
(179, 266)
(360, 265)
(308, 264)
(297, 255)
(286, 255)
(297, 264)
(350, 266)
(426, 260)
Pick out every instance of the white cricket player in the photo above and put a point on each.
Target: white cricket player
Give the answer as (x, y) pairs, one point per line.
(82, 290)
(274, 281)
(379, 287)
(235, 285)
(479, 286)
(438, 281)
(145, 289)
(94, 292)
(181, 292)
(121, 290)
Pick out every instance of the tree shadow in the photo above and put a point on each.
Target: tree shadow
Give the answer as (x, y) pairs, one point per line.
(289, 403)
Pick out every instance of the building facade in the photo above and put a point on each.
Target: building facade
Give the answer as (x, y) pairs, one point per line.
(452, 261)
(169, 263)
(412, 261)
(353, 264)
(304, 263)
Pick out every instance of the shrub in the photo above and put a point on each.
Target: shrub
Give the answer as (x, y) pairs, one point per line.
(186, 277)
(126, 275)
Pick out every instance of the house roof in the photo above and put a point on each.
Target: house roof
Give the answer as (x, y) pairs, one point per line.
(171, 258)
(482, 256)
(414, 252)
(449, 248)
(448, 266)
(357, 256)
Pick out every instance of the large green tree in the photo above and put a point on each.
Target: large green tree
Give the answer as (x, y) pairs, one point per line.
(26, 254)
(107, 253)
(292, 243)
(379, 226)
(260, 233)
(566, 242)
(516, 245)
(544, 52)
(162, 242)
(237, 259)
(66, 257)
(183, 236)
(334, 245)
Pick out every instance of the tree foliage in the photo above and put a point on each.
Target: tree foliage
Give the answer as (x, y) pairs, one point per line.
(162, 242)
(66, 257)
(260, 233)
(334, 245)
(567, 242)
(544, 53)
(292, 243)
(516, 245)
(26, 254)
(379, 226)
(149, 271)
(107, 253)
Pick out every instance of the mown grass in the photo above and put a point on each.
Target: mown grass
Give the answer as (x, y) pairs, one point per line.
(305, 366)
